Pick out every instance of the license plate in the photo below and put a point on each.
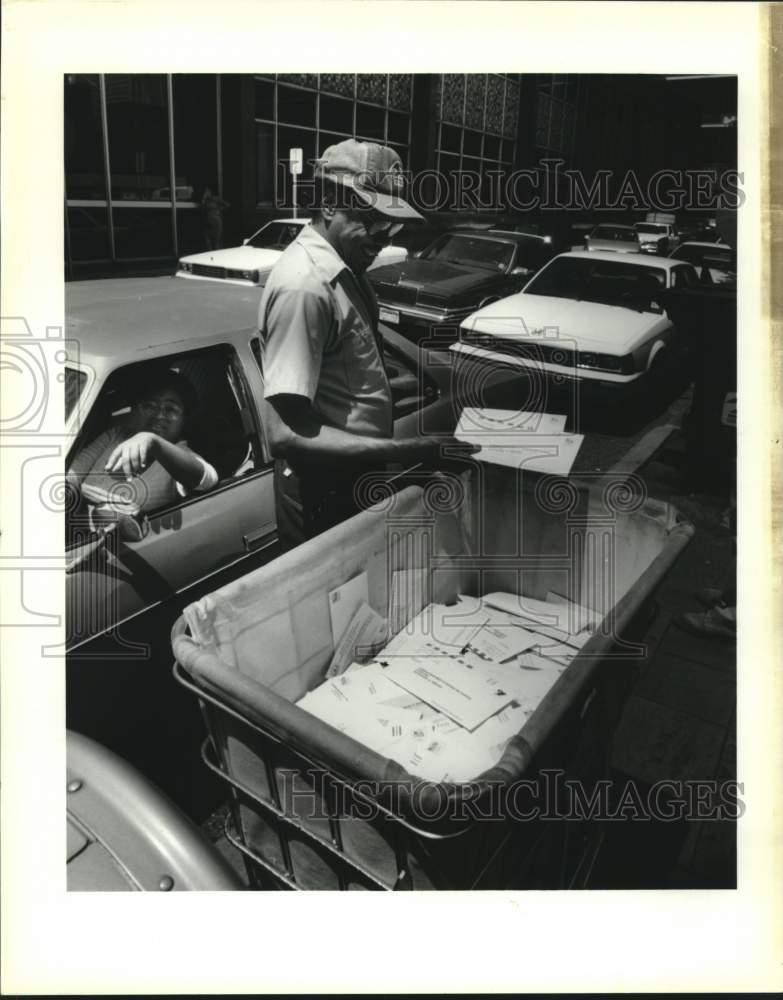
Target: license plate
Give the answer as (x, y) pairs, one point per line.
(389, 315)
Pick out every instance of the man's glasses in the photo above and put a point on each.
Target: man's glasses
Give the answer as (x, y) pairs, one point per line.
(168, 410)
(376, 226)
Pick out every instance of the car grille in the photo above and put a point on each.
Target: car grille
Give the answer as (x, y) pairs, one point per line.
(209, 271)
(397, 295)
(543, 353)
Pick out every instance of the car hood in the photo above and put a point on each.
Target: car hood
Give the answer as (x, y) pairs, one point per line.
(238, 258)
(593, 325)
(416, 279)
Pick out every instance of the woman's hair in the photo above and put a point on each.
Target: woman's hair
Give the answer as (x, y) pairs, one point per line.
(158, 380)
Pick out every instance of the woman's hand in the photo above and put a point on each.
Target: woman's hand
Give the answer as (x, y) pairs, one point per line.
(134, 455)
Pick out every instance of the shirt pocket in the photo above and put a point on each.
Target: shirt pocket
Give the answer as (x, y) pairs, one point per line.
(360, 355)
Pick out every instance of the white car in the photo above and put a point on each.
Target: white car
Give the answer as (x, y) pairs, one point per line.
(593, 316)
(719, 259)
(251, 263)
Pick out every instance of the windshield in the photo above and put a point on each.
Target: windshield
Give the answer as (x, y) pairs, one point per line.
(650, 227)
(74, 383)
(275, 236)
(490, 255)
(616, 284)
(613, 233)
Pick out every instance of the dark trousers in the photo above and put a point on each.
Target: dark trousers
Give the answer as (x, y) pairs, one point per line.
(310, 502)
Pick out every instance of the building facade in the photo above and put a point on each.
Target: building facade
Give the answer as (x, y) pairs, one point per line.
(141, 149)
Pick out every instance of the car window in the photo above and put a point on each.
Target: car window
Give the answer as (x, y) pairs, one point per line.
(74, 383)
(491, 255)
(613, 233)
(275, 236)
(222, 430)
(612, 283)
(684, 277)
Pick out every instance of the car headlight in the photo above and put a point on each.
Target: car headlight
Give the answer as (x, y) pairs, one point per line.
(242, 275)
(185, 267)
(619, 364)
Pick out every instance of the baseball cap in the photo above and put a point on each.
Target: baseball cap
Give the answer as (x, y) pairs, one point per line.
(372, 172)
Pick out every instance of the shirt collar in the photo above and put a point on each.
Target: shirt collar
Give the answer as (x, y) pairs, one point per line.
(321, 253)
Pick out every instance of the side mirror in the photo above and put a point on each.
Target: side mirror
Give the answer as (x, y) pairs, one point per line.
(522, 271)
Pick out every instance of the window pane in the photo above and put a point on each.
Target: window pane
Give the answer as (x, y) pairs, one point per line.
(190, 235)
(370, 122)
(143, 232)
(195, 135)
(84, 166)
(336, 115)
(491, 147)
(296, 107)
(88, 234)
(265, 164)
(265, 99)
(138, 135)
(450, 138)
(74, 383)
(398, 127)
(472, 143)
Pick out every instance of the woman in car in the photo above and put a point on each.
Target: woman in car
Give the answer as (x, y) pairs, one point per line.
(145, 462)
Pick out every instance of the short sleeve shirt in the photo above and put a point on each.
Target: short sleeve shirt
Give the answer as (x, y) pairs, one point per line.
(318, 327)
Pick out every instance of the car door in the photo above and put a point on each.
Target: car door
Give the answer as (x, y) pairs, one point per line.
(113, 578)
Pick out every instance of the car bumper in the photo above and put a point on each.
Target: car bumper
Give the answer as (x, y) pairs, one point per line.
(222, 281)
(585, 376)
(422, 316)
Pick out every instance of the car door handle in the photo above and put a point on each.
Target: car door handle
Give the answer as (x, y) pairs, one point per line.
(254, 538)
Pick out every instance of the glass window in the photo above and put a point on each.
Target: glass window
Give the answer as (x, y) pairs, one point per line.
(370, 122)
(74, 383)
(87, 234)
(137, 116)
(491, 255)
(265, 163)
(450, 138)
(336, 115)
(195, 135)
(398, 127)
(142, 232)
(471, 144)
(190, 231)
(85, 175)
(265, 99)
(295, 107)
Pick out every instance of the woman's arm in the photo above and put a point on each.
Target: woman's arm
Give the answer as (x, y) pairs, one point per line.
(140, 451)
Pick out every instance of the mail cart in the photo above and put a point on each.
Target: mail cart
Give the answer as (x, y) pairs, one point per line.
(312, 808)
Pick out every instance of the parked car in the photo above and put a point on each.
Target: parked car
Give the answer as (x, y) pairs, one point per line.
(592, 316)
(718, 260)
(126, 585)
(460, 272)
(251, 263)
(619, 239)
(656, 237)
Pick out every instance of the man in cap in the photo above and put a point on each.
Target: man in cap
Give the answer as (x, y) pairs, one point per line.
(328, 403)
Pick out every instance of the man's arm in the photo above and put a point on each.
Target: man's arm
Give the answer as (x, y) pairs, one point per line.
(294, 431)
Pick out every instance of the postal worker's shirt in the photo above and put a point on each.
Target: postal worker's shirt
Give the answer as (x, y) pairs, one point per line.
(318, 325)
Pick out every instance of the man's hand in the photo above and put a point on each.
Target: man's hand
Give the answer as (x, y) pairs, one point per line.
(134, 455)
(445, 450)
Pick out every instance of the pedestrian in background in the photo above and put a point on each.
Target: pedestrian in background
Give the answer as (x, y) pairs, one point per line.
(212, 208)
